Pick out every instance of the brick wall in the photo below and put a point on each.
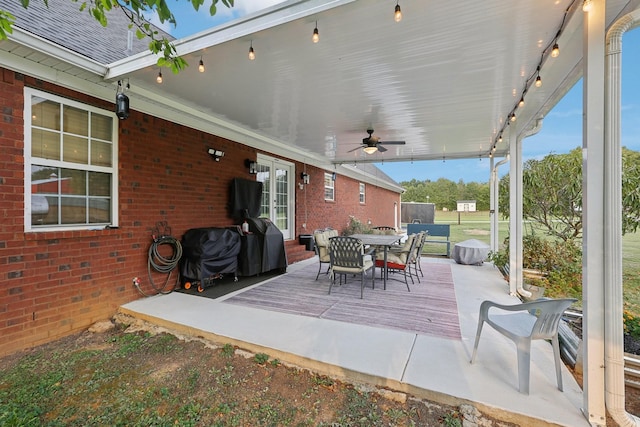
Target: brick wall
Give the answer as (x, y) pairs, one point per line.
(56, 283)
(315, 212)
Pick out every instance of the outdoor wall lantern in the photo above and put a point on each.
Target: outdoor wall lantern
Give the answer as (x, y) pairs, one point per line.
(122, 101)
(252, 166)
(304, 177)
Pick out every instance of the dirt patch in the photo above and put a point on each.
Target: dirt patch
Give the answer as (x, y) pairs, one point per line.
(150, 377)
(476, 232)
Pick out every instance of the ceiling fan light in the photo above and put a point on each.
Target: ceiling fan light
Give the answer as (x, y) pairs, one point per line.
(370, 149)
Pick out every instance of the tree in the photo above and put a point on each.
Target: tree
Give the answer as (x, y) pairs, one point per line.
(135, 10)
(552, 193)
(445, 193)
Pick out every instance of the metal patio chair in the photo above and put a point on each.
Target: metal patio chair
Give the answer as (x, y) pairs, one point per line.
(399, 259)
(526, 322)
(348, 257)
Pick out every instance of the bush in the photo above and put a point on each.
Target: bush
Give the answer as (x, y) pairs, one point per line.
(631, 324)
(356, 226)
(559, 261)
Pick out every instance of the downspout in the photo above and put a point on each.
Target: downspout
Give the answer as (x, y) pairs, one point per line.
(520, 283)
(613, 298)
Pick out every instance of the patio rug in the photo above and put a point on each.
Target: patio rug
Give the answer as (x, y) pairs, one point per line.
(429, 309)
(226, 284)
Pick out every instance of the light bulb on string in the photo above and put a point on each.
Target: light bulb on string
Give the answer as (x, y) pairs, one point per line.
(201, 66)
(252, 53)
(397, 14)
(316, 35)
(159, 77)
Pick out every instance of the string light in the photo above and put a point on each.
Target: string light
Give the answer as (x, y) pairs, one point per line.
(252, 54)
(397, 14)
(586, 5)
(551, 50)
(201, 66)
(316, 35)
(159, 78)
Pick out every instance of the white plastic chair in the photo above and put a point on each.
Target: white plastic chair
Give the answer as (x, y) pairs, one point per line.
(528, 321)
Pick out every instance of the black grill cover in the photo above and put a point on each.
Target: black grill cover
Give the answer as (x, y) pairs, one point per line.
(209, 251)
(273, 253)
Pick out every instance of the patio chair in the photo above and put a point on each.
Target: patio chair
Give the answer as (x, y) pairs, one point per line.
(383, 229)
(321, 239)
(414, 257)
(399, 259)
(529, 321)
(348, 257)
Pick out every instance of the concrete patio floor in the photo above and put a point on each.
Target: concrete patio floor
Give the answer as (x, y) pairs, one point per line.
(428, 367)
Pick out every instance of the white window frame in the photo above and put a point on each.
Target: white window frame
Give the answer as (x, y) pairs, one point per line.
(362, 189)
(329, 187)
(29, 161)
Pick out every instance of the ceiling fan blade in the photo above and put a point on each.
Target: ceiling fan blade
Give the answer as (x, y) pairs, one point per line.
(381, 148)
(354, 149)
(392, 142)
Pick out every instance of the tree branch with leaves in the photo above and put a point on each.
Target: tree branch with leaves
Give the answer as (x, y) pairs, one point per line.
(552, 193)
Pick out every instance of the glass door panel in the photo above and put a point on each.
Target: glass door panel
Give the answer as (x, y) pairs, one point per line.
(277, 193)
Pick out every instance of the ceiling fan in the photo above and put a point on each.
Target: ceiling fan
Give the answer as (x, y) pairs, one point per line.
(371, 143)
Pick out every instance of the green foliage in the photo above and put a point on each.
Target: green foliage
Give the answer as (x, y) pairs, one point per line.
(228, 350)
(135, 10)
(452, 419)
(552, 193)
(560, 262)
(631, 324)
(356, 226)
(261, 358)
(6, 23)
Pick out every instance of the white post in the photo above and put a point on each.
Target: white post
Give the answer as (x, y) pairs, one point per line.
(515, 215)
(593, 202)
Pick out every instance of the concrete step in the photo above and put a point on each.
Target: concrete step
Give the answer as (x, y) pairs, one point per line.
(297, 252)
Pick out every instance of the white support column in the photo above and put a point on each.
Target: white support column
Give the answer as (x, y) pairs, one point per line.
(495, 189)
(593, 202)
(515, 215)
(493, 195)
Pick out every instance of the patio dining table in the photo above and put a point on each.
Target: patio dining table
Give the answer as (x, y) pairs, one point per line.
(384, 240)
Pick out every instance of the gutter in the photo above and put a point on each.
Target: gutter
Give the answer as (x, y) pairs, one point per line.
(56, 51)
(614, 385)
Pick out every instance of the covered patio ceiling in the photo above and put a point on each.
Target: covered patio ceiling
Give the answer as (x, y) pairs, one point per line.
(444, 79)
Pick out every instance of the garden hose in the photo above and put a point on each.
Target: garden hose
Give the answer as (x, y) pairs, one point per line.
(162, 264)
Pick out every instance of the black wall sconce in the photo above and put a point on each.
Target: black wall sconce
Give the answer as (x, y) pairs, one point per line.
(304, 177)
(122, 101)
(252, 166)
(216, 154)
(333, 176)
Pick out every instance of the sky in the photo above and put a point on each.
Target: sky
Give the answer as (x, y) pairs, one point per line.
(561, 130)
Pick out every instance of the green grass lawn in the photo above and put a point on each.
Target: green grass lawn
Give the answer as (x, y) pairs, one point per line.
(476, 225)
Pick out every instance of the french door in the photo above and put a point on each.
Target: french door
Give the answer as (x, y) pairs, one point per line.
(278, 203)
